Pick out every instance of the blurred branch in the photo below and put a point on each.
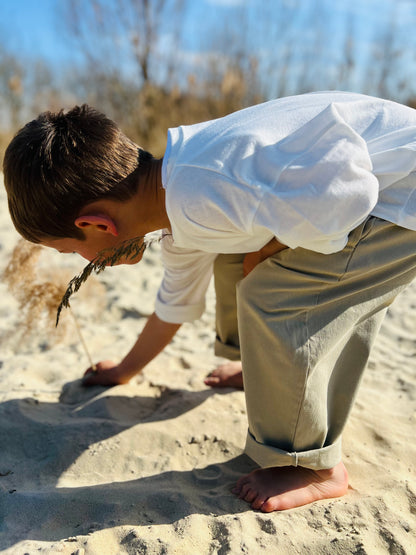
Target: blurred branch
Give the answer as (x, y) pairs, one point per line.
(154, 64)
(11, 88)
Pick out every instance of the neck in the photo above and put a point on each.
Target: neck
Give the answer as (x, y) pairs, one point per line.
(153, 175)
(150, 199)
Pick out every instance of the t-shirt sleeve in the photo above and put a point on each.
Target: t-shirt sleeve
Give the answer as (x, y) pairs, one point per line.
(326, 188)
(187, 273)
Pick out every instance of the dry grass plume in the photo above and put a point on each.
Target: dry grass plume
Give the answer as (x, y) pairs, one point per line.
(37, 298)
(38, 293)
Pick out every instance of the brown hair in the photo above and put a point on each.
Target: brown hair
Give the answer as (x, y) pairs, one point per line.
(60, 162)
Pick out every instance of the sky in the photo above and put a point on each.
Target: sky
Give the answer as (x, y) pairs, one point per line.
(30, 28)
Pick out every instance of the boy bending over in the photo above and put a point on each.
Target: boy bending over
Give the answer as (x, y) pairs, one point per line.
(330, 176)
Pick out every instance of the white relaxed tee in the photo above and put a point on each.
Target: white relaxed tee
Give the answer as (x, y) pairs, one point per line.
(305, 169)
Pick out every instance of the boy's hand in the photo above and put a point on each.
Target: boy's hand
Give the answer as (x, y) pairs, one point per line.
(106, 373)
(251, 259)
(155, 335)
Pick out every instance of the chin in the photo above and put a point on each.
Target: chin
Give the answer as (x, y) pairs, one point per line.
(129, 261)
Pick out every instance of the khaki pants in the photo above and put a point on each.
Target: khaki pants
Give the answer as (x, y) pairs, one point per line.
(228, 271)
(306, 323)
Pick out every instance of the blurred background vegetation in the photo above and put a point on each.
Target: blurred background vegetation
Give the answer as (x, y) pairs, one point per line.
(154, 64)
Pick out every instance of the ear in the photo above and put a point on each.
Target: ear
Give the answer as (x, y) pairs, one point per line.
(101, 222)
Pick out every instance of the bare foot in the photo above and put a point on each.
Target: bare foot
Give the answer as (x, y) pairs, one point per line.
(287, 487)
(229, 374)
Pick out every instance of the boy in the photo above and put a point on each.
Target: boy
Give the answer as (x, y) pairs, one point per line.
(319, 189)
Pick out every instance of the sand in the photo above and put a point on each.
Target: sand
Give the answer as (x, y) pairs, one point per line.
(147, 467)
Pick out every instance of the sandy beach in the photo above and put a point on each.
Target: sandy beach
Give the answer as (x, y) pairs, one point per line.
(147, 468)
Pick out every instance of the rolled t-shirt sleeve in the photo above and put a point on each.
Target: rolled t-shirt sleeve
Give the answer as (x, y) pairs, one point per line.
(187, 273)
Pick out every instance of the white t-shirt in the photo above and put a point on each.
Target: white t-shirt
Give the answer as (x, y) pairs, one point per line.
(305, 169)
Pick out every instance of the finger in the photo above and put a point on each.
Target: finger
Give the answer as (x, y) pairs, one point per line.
(209, 380)
(92, 378)
(88, 378)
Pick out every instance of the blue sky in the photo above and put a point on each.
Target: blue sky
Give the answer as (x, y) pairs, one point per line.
(29, 27)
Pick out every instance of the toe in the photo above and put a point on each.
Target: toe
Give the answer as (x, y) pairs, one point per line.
(268, 507)
(258, 502)
(237, 488)
(244, 491)
(250, 495)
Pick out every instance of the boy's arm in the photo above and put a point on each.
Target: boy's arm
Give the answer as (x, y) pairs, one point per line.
(251, 259)
(155, 336)
(190, 269)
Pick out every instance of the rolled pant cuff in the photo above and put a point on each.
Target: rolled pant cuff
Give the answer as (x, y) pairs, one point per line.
(227, 351)
(316, 459)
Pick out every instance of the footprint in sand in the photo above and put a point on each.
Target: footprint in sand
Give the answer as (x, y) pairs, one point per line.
(209, 475)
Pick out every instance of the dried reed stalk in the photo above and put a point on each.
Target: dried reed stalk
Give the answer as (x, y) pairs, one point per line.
(37, 299)
(127, 250)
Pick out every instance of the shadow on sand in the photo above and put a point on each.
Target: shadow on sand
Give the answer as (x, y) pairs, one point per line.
(53, 435)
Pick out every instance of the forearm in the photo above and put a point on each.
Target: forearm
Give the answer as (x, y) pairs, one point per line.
(253, 258)
(155, 336)
(272, 247)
